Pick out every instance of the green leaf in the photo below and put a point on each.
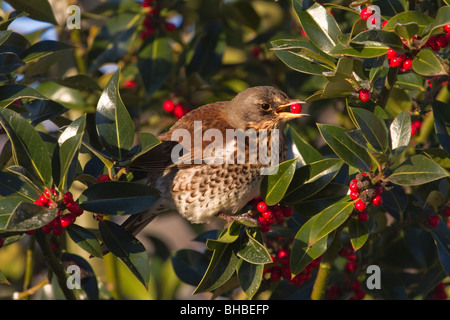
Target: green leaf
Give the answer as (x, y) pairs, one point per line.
(29, 150)
(114, 124)
(319, 25)
(118, 198)
(43, 48)
(249, 276)
(85, 240)
(427, 63)
(190, 265)
(253, 251)
(4, 35)
(155, 63)
(68, 157)
(329, 219)
(442, 18)
(417, 170)
(228, 235)
(358, 233)
(274, 185)
(127, 248)
(406, 17)
(410, 81)
(36, 9)
(12, 92)
(9, 62)
(371, 127)
(302, 56)
(75, 127)
(12, 186)
(441, 123)
(7, 206)
(303, 252)
(308, 154)
(310, 179)
(359, 50)
(29, 216)
(344, 147)
(407, 30)
(441, 236)
(107, 159)
(400, 131)
(379, 38)
(221, 267)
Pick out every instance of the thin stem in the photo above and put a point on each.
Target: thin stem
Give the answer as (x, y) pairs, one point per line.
(326, 264)
(27, 293)
(389, 83)
(29, 265)
(55, 265)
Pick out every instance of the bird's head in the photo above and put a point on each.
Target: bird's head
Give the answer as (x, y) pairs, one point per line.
(262, 106)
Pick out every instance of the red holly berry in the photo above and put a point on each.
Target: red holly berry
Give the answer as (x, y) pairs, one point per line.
(446, 211)
(72, 207)
(103, 178)
(354, 195)
(68, 197)
(46, 229)
(447, 27)
(384, 24)
(363, 216)
(67, 219)
(360, 205)
(170, 26)
(351, 266)
(353, 187)
(79, 212)
(365, 14)
(391, 53)
(178, 111)
(50, 192)
(407, 64)
(129, 84)
(377, 201)
(168, 106)
(267, 215)
(441, 41)
(296, 108)
(287, 212)
(433, 220)
(364, 95)
(39, 203)
(261, 207)
(395, 62)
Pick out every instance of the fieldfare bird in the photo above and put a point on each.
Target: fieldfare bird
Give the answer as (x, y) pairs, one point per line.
(204, 182)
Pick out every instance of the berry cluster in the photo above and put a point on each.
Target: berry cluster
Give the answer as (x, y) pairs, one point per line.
(438, 292)
(335, 291)
(363, 191)
(433, 219)
(177, 109)
(279, 268)
(51, 199)
(271, 214)
(397, 60)
(152, 20)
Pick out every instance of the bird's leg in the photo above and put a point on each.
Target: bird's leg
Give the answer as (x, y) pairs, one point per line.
(246, 218)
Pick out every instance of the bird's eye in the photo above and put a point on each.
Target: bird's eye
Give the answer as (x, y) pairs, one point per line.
(265, 106)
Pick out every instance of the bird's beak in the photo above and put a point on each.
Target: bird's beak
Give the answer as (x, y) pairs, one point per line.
(289, 115)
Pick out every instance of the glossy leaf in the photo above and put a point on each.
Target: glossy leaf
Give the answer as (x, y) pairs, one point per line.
(127, 248)
(9, 62)
(303, 252)
(42, 49)
(426, 63)
(29, 216)
(308, 154)
(222, 266)
(28, 148)
(36, 9)
(147, 142)
(190, 265)
(12, 186)
(85, 240)
(329, 219)
(310, 179)
(68, 157)
(400, 131)
(372, 128)
(114, 124)
(253, 251)
(274, 186)
(418, 17)
(7, 206)
(441, 119)
(118, 198)
(379, 38)
(442, 18)
(358, 233)
(249, 276)
(417, 170)
(302, 56)
(345, 147)
(319, 25)
(441, 236)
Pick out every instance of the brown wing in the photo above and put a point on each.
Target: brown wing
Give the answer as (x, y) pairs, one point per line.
(194, 124)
